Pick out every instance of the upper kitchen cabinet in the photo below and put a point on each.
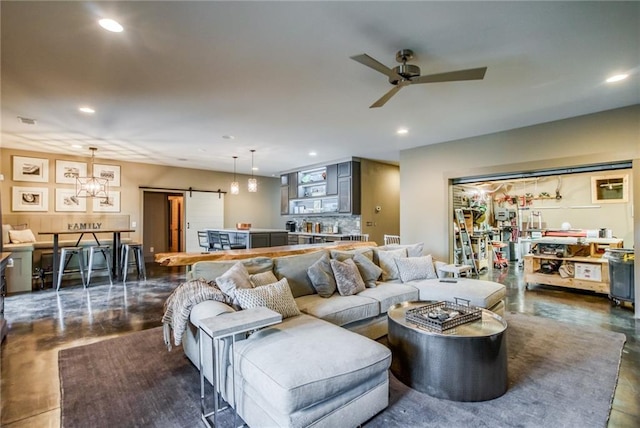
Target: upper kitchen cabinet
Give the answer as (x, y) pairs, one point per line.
(327, 189)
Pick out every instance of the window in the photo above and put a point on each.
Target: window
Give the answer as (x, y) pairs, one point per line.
(610, 188)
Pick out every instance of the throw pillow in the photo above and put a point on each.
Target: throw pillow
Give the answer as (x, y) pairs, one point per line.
(294, 268)
(342, 255)
(410, 268)
(276, 296)
(21, 236)
(5, 233)
(321, 276)
(369, 271)
(413, 250)
(439, 265)
(263, 278)
(348, 279)
(237, 277)
(388, 263)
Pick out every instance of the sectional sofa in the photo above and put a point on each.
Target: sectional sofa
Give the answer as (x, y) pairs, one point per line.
(319, 367)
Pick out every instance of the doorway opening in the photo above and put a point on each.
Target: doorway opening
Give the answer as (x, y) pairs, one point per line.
(163, 223)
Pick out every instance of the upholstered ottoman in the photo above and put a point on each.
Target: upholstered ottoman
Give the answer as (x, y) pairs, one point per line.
(306, 372)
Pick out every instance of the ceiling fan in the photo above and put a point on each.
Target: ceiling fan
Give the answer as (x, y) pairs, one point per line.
(407, 74)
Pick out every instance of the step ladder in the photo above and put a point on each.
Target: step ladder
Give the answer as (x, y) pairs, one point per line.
(466, 251)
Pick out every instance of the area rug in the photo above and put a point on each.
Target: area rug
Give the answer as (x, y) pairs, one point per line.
(559, 375)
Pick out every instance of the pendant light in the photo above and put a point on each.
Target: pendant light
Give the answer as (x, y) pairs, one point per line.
(235, 186)
(92, 187)
(253, 183)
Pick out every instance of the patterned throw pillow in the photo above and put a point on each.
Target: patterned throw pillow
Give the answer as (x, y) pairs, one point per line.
(369, 271)
(321, 276)
(388, 263)
(348, 277)
(263, 278)
(235, 278)
(276, 296)
(410, 268)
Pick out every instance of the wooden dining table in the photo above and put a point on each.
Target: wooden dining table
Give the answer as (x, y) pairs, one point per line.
(115, 243)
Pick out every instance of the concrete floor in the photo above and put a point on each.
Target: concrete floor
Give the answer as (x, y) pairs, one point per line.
(43, 322)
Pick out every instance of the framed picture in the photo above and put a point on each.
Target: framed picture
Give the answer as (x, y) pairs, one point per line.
(610, 189)
(109, 205)
(110, 172)
(30, 169)
(67, 171)
(66, 200)
(30, 199)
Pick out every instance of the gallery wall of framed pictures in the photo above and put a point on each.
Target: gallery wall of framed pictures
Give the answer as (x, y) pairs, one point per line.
(36, 198)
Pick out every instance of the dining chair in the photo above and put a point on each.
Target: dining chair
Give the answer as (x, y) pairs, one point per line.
(203, 240)
(214, 240)
(226, 243)
(359, 237)
(391, 239)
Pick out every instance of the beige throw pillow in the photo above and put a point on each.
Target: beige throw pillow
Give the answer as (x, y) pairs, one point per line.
(263, 278)
(276, 296)
(21, 236)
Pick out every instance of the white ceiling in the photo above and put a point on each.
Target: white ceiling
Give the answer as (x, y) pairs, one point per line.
(277, 76)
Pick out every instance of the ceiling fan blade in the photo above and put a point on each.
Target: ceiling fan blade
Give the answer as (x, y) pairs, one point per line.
(365, 59)
(452, 76)
(386, 97)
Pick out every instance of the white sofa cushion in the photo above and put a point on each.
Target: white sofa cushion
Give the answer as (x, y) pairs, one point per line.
(304, 361)
(484, 294)
(337, 309)
(389, 294)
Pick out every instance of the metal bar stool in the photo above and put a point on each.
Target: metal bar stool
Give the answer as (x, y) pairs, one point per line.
(64, 262)
(106, 253)
(139, 260)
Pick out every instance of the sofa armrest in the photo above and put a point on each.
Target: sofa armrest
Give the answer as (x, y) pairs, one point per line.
(208, 309)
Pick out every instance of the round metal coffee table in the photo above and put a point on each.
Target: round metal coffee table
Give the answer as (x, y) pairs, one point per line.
(465, 363)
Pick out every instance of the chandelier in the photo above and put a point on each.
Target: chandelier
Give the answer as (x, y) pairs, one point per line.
(92, 187)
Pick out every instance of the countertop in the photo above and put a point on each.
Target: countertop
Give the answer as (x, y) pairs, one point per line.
(252, 230)
(319, 234)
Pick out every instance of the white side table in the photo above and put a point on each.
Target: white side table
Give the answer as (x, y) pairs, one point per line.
(220, 327)
(456, 270)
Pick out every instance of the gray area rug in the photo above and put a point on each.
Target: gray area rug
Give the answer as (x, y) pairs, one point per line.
(559, 375)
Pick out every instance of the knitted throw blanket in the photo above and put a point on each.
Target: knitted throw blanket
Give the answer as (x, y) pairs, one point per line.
(178, 306)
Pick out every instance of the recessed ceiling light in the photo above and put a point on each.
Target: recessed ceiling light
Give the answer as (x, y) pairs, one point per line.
(111, 25)
(313, 154)
(255, 168)
(76, 146)
(617, 78)
(87, 110)
(402, 131)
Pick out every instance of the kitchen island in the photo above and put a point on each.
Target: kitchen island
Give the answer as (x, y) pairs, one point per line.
(257, 238)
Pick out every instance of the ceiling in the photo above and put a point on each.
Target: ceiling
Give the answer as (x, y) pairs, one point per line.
(277, 76)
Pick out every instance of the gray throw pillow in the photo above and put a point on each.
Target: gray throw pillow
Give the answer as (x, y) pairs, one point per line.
(321, 276)
(411, 268)
(348, 278)
(233, 279)
(342, 255)
(369, 271)
(276, 297)
(294, 268)
(388, 263)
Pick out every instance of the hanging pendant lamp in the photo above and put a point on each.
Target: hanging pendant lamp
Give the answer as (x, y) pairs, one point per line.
(91, 186)
(235, 186)
(252, 185)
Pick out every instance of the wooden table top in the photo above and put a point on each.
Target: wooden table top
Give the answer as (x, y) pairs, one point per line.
(74, 231)
(186, 259)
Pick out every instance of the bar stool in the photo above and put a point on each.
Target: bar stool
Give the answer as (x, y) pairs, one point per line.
(62, 269)
(139, 260)
(106, 253)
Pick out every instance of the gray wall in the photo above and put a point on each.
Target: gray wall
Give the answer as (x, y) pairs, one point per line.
(425, 171)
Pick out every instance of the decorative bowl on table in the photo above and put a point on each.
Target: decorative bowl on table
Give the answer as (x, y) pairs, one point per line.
(243, 226)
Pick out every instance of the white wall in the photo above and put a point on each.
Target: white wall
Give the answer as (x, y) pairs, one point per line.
(608, 136)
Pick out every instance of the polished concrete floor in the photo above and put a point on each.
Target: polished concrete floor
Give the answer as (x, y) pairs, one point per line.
(43, 322)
